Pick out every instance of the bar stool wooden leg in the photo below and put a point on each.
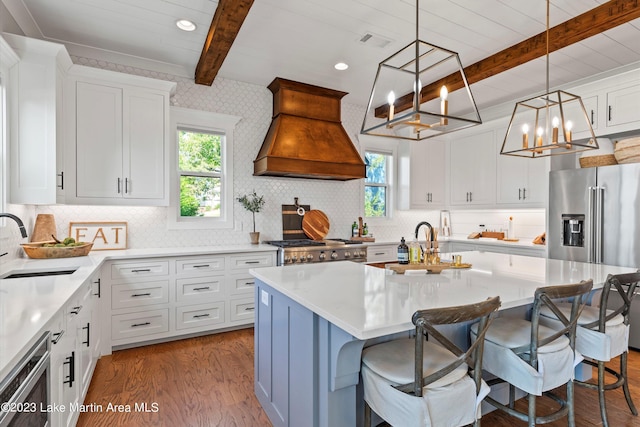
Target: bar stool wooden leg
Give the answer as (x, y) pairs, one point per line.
(532, 410)
(367, 415)
(603, 406)
(570, 399)
(625, 385)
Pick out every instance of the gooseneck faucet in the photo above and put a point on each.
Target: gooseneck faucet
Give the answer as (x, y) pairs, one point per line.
(23, 230)
(428, 225)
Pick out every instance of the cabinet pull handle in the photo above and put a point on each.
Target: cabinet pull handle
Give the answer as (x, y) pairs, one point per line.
(98, 283)
(71, 361)
(470, 196)
(126, 185)
(379, 253)
(146, 294)
(58, 337)
(610, 108)
(519, 193)
(249, 283)
(249, 308)
(61, 175)
(201, 266)
(118, 185)
(592, 117)
(143, 270)
(88, 328)
(197, 316)
(204, 288)
(252, 262)
(135, 325)
(76, 310)
(524, 194)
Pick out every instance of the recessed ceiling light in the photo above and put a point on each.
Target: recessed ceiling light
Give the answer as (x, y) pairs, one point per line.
(185, 25)
(341, 66)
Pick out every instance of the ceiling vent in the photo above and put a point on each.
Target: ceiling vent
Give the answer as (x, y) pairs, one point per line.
(374, 40)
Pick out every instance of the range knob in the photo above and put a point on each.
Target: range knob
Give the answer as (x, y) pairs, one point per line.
(309, 257)
(287, 259)
(322, 256)
(334, 255)
(294, 258)
(348, 255)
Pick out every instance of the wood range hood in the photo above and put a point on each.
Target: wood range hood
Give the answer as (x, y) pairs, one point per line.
(306, 138)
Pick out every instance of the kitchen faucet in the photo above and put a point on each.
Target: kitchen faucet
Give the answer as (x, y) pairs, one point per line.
(23, 231)
(420, 224)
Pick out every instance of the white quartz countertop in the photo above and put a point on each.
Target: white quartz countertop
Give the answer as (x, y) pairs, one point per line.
(369, 302)
(28, 304)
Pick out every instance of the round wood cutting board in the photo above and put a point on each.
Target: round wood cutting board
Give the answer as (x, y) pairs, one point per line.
(315, 224)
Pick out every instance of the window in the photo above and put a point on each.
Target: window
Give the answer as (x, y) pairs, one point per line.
(201, 169)
(376, 184)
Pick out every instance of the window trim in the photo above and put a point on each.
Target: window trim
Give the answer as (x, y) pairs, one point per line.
(388, 147)
(204, 121)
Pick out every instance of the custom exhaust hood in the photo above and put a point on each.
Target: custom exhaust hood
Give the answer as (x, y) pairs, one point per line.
(306, 138)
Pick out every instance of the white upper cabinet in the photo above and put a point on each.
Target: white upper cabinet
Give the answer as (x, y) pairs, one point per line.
(120, 132)
(521, 181)
(473, 168)
(623, 107)
(428, 171)
(35, 93)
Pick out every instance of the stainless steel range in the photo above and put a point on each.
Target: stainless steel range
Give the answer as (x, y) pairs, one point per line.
(311, 251)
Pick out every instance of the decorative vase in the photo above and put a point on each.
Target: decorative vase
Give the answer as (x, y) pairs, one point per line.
(255, 237)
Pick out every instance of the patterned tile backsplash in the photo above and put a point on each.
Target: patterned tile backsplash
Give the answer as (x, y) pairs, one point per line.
(341, 201)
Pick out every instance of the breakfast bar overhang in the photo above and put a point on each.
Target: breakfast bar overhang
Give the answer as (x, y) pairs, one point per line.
(312, 322)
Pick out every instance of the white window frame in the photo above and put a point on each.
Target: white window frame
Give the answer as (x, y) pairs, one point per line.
(206, 122)
(388, 147)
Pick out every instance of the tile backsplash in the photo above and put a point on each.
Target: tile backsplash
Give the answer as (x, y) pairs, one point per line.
(341, 201)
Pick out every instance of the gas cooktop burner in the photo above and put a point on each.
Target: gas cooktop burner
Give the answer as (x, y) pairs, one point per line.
(296, 243)
(311, 251)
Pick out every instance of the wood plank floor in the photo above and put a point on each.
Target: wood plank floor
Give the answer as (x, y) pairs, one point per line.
(208, 381)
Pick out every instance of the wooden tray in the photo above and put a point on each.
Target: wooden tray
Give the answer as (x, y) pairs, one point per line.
(37, 251)
(432, 268)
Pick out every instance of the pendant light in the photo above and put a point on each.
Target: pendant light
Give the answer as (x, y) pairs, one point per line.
(544, 125)
(420, 92)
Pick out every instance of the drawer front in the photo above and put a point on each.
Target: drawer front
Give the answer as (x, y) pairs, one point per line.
(245, 262)
(138, 270)
(200, 289)
(242, 310)
(139, 324)
(382, 253)
(194, 316)
(199, 265)
(139, 294)
(239, 285)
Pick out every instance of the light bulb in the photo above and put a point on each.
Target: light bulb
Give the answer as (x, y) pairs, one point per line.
(555, 122)
(568, 126)
(540, 132)
(391, 98)
(525, 128)
(444, 93)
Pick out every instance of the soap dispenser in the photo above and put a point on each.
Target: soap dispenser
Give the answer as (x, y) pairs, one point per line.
(403, 252)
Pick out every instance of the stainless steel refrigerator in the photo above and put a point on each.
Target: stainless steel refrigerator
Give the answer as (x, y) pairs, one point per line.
(594, 216)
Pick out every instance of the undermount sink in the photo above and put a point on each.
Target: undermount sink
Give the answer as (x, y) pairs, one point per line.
(19, 274)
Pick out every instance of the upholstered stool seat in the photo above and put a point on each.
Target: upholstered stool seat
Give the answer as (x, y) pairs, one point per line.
(428, 382)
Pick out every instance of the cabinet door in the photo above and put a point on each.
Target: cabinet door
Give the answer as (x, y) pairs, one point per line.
(144, 145)
(473, 170)
(418, 181)
(64, 378)
(461, 172)
(623, 106)
(591, 108)
(436, 171)
(512, 175)
(98, 141)
(536, 190)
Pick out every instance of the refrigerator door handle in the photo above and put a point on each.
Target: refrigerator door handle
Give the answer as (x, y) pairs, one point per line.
(598, 225)
(590, 231)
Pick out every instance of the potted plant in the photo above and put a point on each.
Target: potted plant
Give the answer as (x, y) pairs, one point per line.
(253, 203)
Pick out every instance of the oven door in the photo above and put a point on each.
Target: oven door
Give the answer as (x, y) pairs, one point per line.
(24, 395)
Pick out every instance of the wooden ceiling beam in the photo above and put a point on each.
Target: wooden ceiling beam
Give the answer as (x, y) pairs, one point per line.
(595, 21)
(225, 25)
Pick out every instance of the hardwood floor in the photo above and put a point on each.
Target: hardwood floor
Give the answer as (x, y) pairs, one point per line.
(208, 381)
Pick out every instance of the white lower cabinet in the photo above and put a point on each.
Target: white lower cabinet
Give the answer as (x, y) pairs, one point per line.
(160, 298)
(382, 253)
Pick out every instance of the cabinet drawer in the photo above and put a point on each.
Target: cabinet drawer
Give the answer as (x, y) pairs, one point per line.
(382, 253)
(244, 262)
(241, 285)
(139, 294)
(199, 265)
(139, 269)
(242, 310)
(193, 316)
(200, 289)
(139, 324)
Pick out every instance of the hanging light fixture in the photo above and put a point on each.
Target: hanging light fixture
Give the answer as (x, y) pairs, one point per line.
(550, 120)
(420, 92)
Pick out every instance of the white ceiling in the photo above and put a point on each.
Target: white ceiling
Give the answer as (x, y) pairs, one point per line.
(302, 39)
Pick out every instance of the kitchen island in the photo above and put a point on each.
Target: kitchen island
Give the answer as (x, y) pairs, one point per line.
(312, 322)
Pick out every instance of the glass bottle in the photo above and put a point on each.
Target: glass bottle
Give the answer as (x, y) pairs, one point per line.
(403, 252)
(365, 229)
(354, 229)
(414, 252)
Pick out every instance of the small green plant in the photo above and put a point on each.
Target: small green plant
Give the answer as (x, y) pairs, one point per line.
(253, 203)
